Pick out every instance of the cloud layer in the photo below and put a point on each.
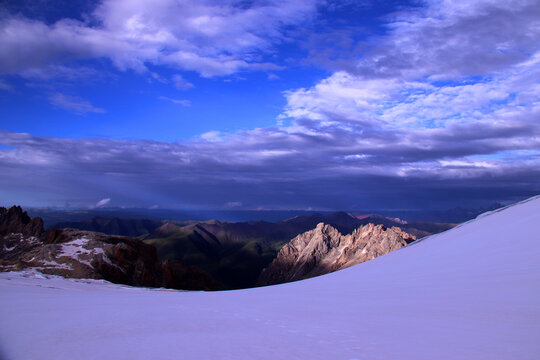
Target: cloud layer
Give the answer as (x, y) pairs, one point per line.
(320, 167)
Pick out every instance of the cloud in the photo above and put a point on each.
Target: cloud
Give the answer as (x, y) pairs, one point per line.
(101, 203)
(74, 104)
(449, 91)
(50, 72)
(211, 38)
(176, 101)
(397, 103)
(449, 39)
(212, 136)
(5, 86)
(436, 63)
(233, 204)
(180, 83)
(309, 165)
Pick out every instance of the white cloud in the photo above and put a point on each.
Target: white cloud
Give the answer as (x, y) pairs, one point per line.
(397, 103)
(60, 72)
(181, 102)
(212, 136)
(101, 203)
(211, 38)
(180, 83)
(450, 39)
(74, 104)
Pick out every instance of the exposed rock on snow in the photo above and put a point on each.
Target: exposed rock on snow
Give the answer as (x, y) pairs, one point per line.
(76, 253)
(324, 249)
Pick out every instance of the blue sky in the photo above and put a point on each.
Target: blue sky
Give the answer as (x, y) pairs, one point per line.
(171, 103)
(266, 104)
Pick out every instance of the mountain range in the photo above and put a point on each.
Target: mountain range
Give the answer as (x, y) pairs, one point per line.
(235, 253)
(52, 216)
(217, 254)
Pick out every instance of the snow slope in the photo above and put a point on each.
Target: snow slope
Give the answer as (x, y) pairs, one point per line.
(472, 292)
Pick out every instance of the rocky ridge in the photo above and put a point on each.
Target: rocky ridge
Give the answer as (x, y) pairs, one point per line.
(73, 253)
(15, 220)
(324, 250)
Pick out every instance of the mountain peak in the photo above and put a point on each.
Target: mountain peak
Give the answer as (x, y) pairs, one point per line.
(16, 221)
(324, 249)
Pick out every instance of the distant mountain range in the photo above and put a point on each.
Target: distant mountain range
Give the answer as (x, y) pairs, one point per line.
(235, 253)
(279, 230)
(113, 226)
(52, 216)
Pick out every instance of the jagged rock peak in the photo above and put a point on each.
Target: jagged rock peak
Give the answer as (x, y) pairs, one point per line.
(16, 221)
(325, 227)
(324, 249)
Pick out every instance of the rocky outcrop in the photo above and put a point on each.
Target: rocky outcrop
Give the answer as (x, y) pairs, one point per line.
(76, 253)
(324, 250)
(15, 220)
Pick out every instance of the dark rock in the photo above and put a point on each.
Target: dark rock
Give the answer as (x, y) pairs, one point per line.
(15, 220)
(178, 276)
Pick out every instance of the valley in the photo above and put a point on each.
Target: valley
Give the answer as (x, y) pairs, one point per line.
(235, 253)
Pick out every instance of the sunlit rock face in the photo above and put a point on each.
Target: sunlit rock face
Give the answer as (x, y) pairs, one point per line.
(324, 250)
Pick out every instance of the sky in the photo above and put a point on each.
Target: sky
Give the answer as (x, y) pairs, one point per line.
(307, 104)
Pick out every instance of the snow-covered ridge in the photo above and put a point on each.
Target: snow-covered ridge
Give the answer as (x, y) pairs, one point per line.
(470, 293)
(507, 207)
(487, 213)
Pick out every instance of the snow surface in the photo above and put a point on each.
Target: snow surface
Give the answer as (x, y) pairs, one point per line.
(472, 292)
